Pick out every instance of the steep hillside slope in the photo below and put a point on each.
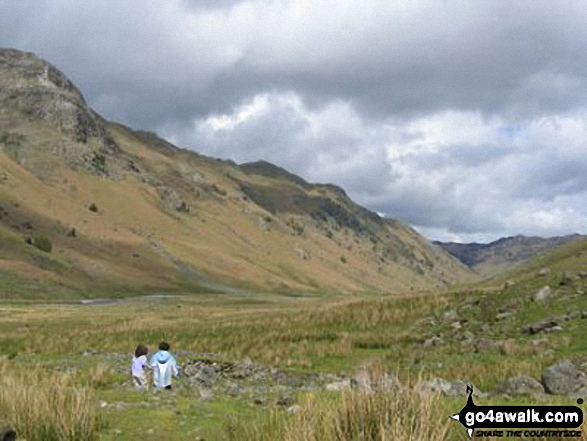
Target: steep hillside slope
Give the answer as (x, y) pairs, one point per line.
(128, 211)
(502, 254)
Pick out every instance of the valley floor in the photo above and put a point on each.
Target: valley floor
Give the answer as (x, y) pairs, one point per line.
(297, 351)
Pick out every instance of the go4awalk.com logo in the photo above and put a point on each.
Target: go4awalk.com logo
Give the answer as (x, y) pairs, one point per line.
(520, 421)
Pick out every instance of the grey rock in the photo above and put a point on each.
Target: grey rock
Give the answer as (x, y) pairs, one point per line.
(503, 315)
(543, 294)
(563, 378)
(451, 315)
(485, 345)
(294, 409)
(206, 375)
(520, 385)
(206, 394)
(285, 401)
(338, 386)
(447, 388)
(433, 341)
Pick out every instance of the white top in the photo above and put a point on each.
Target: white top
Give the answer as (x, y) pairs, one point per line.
(138, 365)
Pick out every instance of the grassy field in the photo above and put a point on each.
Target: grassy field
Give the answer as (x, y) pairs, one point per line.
(77, 357)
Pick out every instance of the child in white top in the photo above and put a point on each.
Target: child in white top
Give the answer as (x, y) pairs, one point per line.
(139, 363)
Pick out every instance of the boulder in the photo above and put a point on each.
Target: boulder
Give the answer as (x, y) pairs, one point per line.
(451, 315)
(484, 345)
(543, 294)
(566, 279)
(507, 347)
(503, 315)
(206, 375)
(520, 385)
(339, 386)
(447, 388)
(563, 378)
(294, 409)
(368, 381)
(435, 340)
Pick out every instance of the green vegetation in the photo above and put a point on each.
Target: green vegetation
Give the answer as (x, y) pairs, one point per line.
(42, 243)
(46, 407)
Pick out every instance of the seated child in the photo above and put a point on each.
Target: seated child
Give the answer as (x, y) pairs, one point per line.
(139, 363)
(164, 366)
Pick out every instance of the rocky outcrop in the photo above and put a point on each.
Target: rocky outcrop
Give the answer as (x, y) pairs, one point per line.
(33, 90)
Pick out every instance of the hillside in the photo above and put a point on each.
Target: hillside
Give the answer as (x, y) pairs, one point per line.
(127, 212)
(491, 258)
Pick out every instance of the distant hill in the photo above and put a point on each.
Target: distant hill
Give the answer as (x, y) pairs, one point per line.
(490, 258)
(127, 212)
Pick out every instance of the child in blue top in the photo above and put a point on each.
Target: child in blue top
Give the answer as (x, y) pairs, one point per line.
(164, 367)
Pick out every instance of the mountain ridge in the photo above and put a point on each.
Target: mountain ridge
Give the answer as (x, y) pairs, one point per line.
(489, 258)
(125, 208)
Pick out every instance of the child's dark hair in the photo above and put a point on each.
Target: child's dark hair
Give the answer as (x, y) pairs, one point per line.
(163, 346)
(141, 350)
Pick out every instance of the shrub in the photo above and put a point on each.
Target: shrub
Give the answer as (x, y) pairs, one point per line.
(343, 259)
(42, 243)
(93, 207)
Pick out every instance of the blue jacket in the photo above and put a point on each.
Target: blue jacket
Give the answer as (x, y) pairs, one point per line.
(164, 367)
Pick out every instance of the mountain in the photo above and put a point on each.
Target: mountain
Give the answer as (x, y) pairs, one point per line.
(488, 259)
(91, 207)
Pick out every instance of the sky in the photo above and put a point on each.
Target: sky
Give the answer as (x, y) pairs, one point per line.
(466, 119)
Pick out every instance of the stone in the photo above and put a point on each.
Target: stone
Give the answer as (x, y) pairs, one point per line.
(450, 315)
(508, 347)
(543, 294)
(339, 386)
(368, 381)
(294, 409)
(566, 279)
(447, 388)
(563, 378)
(485, 345)
(456, 325)
(206, 375)
(285, 401)
(432, 341)
(544, 272)
(206, 394)
(520, 385)
(302, 254)
(503, 315)
(544, 326)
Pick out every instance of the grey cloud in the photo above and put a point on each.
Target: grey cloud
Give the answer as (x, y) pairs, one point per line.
(171, 66)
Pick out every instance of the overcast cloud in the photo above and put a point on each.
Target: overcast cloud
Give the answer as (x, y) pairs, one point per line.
(467, 119)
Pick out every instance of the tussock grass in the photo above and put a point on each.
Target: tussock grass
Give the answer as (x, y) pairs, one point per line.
(401, 415)
(46, 407)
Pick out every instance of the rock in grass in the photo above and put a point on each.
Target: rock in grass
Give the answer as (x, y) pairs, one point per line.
(520, 385)
(563, 378)
(7, 434)
(448, 388)
(338, 386)
(543, 294)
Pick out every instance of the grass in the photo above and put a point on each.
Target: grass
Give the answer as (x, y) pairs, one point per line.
(47, 407)
(306, 334)
(399, 416)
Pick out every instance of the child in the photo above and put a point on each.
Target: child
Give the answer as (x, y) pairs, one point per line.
(164, 366)
(139, 363)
